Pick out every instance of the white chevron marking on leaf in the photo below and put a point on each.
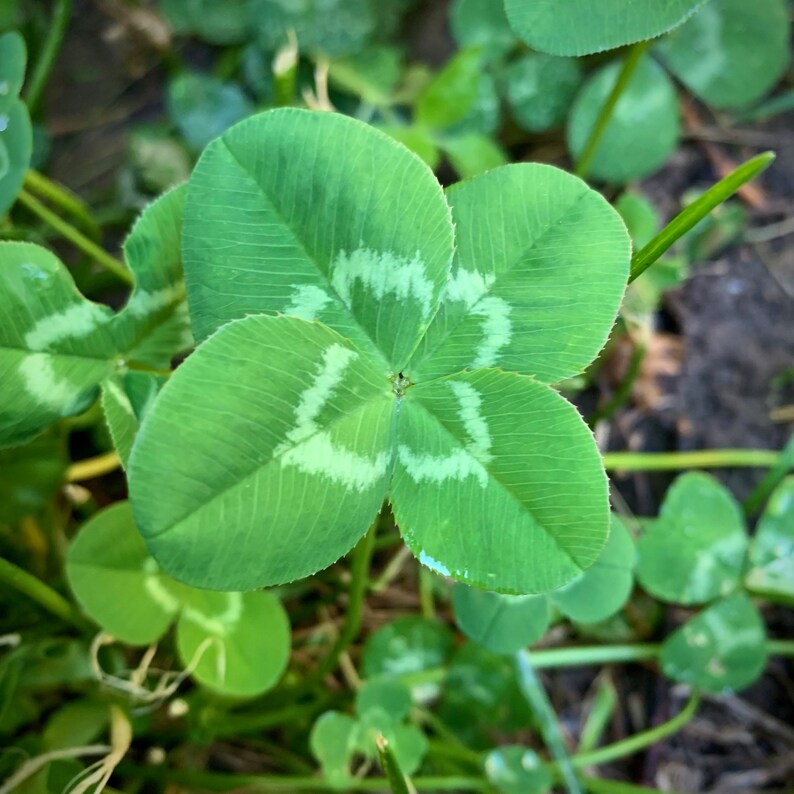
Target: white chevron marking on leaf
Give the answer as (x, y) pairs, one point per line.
(471, 413)
(307, 302)
(43, 384)
(76, 322)
(383, 273)
(458, 465)
(496, 327)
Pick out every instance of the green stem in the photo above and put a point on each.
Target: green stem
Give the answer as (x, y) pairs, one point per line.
(771, 480)
(219, 781)
(29, 585)
(585, 159)
(689, 217)
(705, 459)
(639, 741)
(63, 198)
(594, 655)
(426, 593)
(780, 647)
(52, 44)
(546, 718)
(75, 237)
(359, 581)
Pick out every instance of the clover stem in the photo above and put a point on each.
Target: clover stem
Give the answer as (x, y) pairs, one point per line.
(75, 237)
(705, 459)
(90, 468)
(41, 72)
(546, 717)
(359, 582)
(63, 198)
(585, 159)
(31, 586)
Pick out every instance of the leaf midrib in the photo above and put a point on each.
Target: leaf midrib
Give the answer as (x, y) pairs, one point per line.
(508, 271)
(324, 277)
(256, 470)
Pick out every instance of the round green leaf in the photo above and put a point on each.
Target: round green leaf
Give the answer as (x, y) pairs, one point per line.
(202, 107)
(332, 744)
(772, 547)
(215, 21)
(694, 551)
(235, 643)
(604, 588)
(116, 581)
(721, 649)
(482, 23)
(284, 461)
(516, 770)
(329, 28)
(451, 94)
(472, 154)
(13, 58)
(540, 269)
(30, 475)
(540, 89)
(55, 346)
(306, 231)
(731, 53)
(498, 482)
(406, 645)
(640, 216)
(580, 27)
(16, 135)
(387, 694)
(501, 623)
(484, 115)
(643, 129)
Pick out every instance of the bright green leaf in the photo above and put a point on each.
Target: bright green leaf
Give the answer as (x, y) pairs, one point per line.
(30, 475)
(516, 770)
(772, 546)
(55, 346)
(482, 23)
(368, 263)
(16, 135)
(472, 154)
(540, 269)
(580, 27)
(731, 53)
(387, 694)
(202, 107)
(290, 455)
(484, 114)
(540, 89)
(501, 623)
(511, 500)
(694, 551)
(451, 94)
(76, 724)
(640, 216)
(721, 649)
(332, 744)
(116, 581)
(406, 645)
(644, 127)
(419, 140)
(235, 643)
(605, 587)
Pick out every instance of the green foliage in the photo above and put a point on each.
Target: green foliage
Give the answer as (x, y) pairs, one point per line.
(721, 649)
(236, 643)
(16, 136)
(202, 107)
(644, 127)
(474, 469)
(579, 27)
(382, 706)
(506, 624)
(56, 347)
(540, 89)
(772, 547)
(731, 53)
(695, 550)
(513, 769)
(482, 23)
